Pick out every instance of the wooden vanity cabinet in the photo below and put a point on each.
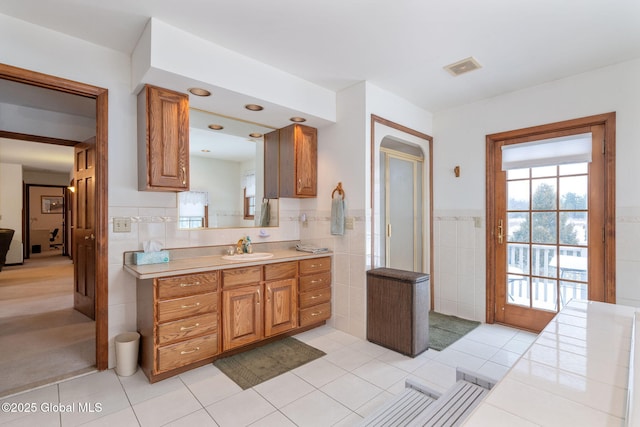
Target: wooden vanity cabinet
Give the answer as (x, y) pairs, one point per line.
(188, 320)
(163, 140)
(314, 285)
(258, 302)
(178, 321)
(242, 309)
(281, 305)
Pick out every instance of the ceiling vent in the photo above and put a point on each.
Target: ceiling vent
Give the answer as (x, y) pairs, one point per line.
(463, 66)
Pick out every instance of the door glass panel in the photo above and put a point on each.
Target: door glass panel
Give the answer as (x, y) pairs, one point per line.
(547, 236)
(518, 290)
(542, 260)
(518, 195)
(544, 229)
(518, 173)
(544, 294)
(544, 171)
(572, 290)
(518, 226)
(573, 192)
(544, 194)
(574, 168)
(518, 262)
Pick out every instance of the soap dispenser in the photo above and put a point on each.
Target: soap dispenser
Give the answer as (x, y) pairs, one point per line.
(249, 248)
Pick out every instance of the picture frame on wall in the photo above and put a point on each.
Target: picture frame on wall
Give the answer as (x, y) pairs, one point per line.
(52, 204)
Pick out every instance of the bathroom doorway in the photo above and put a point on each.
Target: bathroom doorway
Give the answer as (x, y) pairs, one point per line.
(98, 96)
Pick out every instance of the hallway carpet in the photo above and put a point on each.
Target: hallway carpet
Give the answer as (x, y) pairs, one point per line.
(42, 338)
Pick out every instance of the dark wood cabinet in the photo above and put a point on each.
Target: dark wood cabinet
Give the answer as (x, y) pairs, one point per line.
(163, 140)
(295, 172)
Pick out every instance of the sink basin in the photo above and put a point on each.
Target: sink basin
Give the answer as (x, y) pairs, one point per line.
(256, 256)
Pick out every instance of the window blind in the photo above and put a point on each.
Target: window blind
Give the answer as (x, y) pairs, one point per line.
(547, 152)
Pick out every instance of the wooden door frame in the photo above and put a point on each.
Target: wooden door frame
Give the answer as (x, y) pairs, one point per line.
(608, 120)
(373, 166)
(8, 72)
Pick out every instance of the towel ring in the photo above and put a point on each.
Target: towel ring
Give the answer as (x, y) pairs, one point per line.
(339, 190)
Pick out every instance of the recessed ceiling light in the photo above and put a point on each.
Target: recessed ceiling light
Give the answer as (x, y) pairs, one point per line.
(199, 91)
(298, 119)
(216, 127)
(463, 66)
(255, 135)
(254, 107)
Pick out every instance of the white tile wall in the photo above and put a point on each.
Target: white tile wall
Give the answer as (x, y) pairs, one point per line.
(459, 264)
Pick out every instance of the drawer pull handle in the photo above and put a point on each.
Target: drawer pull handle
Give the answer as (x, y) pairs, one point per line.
(317, 281)
(191, 306)
(184, 285)
(187, 328)
(316, 296)
(190, 351)
(317, 313)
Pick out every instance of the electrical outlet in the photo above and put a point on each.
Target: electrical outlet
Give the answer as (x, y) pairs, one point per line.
(121, 225)
(477, 222)
(348, 223)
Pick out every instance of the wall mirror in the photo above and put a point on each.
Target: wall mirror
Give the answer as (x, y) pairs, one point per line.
(227, 175)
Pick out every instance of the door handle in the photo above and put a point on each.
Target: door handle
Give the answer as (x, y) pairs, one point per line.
(500, 232)
(90, 237)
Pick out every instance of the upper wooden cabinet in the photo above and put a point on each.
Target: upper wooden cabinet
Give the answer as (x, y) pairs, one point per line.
(297, 162)
(163, 140)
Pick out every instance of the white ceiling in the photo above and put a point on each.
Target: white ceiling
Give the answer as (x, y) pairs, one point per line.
(400, 45)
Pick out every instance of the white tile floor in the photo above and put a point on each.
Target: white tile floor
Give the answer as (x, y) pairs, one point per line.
(338, 389)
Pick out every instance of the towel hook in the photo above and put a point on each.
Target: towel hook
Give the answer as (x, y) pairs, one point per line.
(339, 190)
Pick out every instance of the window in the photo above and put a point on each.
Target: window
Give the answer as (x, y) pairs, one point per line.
(249, 194)
(192, 209)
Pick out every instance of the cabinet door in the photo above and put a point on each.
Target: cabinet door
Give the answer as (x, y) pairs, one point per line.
(306, 161)
(298, 161)
(241, 316)
(281, 306)
(164, 117)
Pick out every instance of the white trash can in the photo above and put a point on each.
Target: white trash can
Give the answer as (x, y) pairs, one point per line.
(127, 345)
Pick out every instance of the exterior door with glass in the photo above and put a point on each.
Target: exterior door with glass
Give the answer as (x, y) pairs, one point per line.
(548, 200)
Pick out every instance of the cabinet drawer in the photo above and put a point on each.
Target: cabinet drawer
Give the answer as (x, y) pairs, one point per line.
(282, 270)
(308, 266)
(180, 354)
(187, 328)
(315, 281)
(189, 284)
(185, 307)
(315, 297)
(315, 314)
(241, 276)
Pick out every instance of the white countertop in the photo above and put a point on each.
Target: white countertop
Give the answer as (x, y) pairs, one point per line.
(199, 264)
(574, 374)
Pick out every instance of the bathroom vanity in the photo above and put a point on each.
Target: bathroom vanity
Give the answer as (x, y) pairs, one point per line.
(200, 306)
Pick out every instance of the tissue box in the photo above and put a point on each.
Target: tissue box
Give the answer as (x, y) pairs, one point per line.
(142, 258)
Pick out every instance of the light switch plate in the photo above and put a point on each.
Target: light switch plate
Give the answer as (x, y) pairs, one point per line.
(121, 225)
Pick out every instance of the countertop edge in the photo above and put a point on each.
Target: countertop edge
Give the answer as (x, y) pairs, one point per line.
(212, 263)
